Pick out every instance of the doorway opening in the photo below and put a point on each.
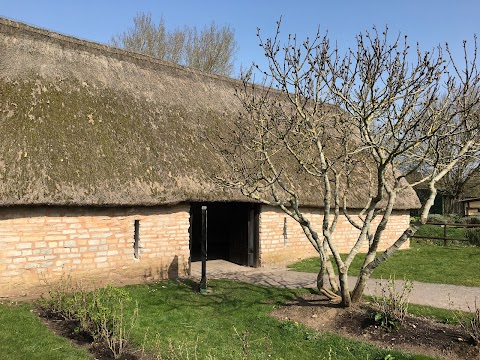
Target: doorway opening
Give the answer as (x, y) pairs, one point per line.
(232, 232)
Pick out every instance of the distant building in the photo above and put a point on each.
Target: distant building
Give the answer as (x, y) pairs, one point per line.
(471, 206)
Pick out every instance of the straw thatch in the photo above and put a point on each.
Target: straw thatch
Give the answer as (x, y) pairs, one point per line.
(87, 124)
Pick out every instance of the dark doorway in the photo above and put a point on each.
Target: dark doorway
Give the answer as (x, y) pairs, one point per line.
(232, 232)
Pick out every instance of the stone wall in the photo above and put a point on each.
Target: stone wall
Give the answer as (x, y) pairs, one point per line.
(276, 248)
(39, 245)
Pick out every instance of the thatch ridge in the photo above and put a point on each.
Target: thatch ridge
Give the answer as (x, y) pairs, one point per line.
(8, 26)
(87, 124)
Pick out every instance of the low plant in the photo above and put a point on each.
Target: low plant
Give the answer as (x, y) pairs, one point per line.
(100, 313)
(445, 219)
(289, 326)
(106, 318)
(182, 351)
(391, 307)
(473, 236)
(472, 220)
(453, 218)
(437, 218)
(474, 327)
(469, 323)
(66, 298)
(244, 339)
(386, 321)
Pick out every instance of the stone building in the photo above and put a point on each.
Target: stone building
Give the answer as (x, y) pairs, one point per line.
(104, 168)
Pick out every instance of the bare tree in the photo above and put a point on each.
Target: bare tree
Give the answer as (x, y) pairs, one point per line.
(144, 37)
(211, 49)
(344, 123)
(462, 177)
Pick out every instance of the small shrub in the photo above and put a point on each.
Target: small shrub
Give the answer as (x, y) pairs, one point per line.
(106, 319)
(101, 313)
(437, 218)
(182, 351)
(453, 218)
(472, 220)
(67, 299)
(392, 306)
(473, 236)
(244, 338)
(445, 219)
(474, 327)
(289, 326)
(471, 324)
(387, 322)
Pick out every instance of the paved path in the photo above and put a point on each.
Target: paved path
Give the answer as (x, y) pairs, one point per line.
(437, 295)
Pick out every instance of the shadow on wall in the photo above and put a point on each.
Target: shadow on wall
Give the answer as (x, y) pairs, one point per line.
(163, 272)
(172, 271)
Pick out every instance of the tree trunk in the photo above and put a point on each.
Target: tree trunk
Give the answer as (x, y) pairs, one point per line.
(324, 269)
(331, 275)
(371, 264)
(451, 205)
(344, 290)
(321, 274)
(362, 279)
(360, 287)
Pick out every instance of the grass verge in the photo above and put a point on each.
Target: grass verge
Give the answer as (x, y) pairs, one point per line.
(456, 265)
(24, 336)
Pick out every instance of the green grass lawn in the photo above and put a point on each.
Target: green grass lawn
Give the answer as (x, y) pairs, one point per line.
(233, 317)
(24, 337)
(457, 265)
(215, 324)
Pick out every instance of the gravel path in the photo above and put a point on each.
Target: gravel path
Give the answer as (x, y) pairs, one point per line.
(437, 295)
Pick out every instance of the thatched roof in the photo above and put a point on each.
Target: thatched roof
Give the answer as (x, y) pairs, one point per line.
(87, 124)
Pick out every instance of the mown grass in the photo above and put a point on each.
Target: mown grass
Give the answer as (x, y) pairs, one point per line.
(233, 317)
(457, 265)
(23, 336)
(229, 322)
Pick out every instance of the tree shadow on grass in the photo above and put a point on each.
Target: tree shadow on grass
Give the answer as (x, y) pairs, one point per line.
(224, 295)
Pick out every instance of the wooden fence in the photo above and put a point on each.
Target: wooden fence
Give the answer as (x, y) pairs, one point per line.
(445, 238)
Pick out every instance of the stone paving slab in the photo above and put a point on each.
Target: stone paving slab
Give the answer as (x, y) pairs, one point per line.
(436, 295)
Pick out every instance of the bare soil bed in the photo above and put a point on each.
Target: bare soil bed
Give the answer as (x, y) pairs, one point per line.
(416, 335)
(68, 329)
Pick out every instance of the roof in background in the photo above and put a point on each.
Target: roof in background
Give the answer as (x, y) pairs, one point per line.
(470, 199)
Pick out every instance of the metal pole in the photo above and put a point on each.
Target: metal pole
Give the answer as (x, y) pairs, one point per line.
(203, 282)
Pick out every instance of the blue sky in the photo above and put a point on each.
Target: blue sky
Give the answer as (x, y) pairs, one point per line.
(427, 21)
